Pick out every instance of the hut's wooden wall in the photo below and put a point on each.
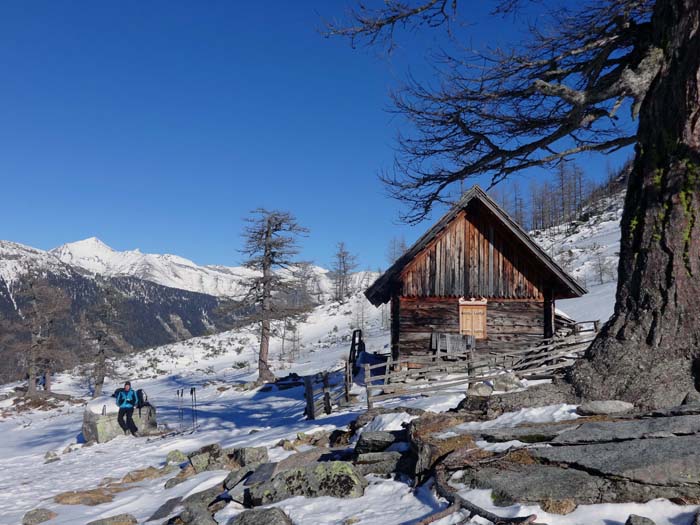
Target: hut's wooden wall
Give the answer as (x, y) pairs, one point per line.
(474, 256)
(510, 324)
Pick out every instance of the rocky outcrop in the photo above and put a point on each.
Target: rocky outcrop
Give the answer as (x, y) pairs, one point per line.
(588, 461)
(604, 408)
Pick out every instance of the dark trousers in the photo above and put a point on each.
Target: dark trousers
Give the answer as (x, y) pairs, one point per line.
(129, 425)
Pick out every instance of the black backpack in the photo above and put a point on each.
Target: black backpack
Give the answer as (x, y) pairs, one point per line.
(141, 398)
(116, 392)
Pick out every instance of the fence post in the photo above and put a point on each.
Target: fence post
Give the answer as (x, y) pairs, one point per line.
(368, 386)
(348, 380)
(309, 395)
(326, 394)
(387, 370)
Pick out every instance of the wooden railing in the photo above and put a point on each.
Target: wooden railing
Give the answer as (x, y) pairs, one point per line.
(429, 374)
(326, 390)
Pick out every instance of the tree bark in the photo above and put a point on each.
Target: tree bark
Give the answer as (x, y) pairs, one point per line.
(99, 372)
(648, 353)
(32, 368)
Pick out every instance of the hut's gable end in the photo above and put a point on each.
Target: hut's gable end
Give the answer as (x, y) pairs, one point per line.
(473, 256)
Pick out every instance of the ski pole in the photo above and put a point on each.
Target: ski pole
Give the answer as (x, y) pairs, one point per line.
(196, 419)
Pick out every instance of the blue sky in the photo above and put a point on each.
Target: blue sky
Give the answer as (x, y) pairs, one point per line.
(158, 125)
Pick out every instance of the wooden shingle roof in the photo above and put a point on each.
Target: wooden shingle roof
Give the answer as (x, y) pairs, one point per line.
(381, 289)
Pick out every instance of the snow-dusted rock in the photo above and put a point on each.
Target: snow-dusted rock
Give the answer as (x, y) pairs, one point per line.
(604, 408)
(119, 519)
(374, 441)
(102, 428)
(507, 383)
(273, 516)
(480, 389)
(36, 516)
(638, 520)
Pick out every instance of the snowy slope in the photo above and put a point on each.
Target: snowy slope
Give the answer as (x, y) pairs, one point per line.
(589, 251)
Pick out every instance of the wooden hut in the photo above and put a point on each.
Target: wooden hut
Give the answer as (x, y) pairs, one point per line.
(475, 272)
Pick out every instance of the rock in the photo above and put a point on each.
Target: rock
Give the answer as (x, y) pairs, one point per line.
(663, 462)
(606, 431)
(36, 516)
(534, 483)
(526, 433)
(262, 474)
(185, 473)
(272, 516)
(51, 457)
(429, 441)
(236, 476)
(604, 408)
(120, 519)
(337, 479)
(339, 438)
(196, 516)
(209, 457)
(483, 407)
(480, 389)
(374, 442)
(99, 428)
(385, 463)
(166, 509)
(691, 398)
(85, 497)
(148, 473)
(638, 520)
(507, 383)
(248, 455)
(560, 506)
(176, 457)
(369, 415)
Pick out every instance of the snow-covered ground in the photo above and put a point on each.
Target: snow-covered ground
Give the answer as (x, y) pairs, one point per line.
(220, 365)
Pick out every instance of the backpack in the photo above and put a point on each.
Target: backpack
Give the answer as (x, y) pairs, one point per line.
(141, 399)
(117, 391)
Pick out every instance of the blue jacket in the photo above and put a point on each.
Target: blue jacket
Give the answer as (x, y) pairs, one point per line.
(127, 399)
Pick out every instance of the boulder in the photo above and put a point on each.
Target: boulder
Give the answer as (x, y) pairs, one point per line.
(119, 519)
(51, 457)
(559, 506)
(209, 457)
(102, 428)
(272, 516)
(36, 516)
(85, 497)
(638, 520)
(507, 383)
(604, 408)
(337, 479)
(480, 389)
(185, 473)
(166, 509)
(374, 442)
(176, 457)
(385, 463)
(248, 455)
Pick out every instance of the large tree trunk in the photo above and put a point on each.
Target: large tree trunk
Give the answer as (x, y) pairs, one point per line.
(648, 352)
(32, 368)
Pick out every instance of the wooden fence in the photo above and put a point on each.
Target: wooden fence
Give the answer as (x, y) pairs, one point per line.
(429, 374)
(326, 390)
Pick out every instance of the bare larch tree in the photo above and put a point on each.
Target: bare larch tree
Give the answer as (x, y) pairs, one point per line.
(46, 307)
(271, 245)
(344, 263)
(559, 93)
